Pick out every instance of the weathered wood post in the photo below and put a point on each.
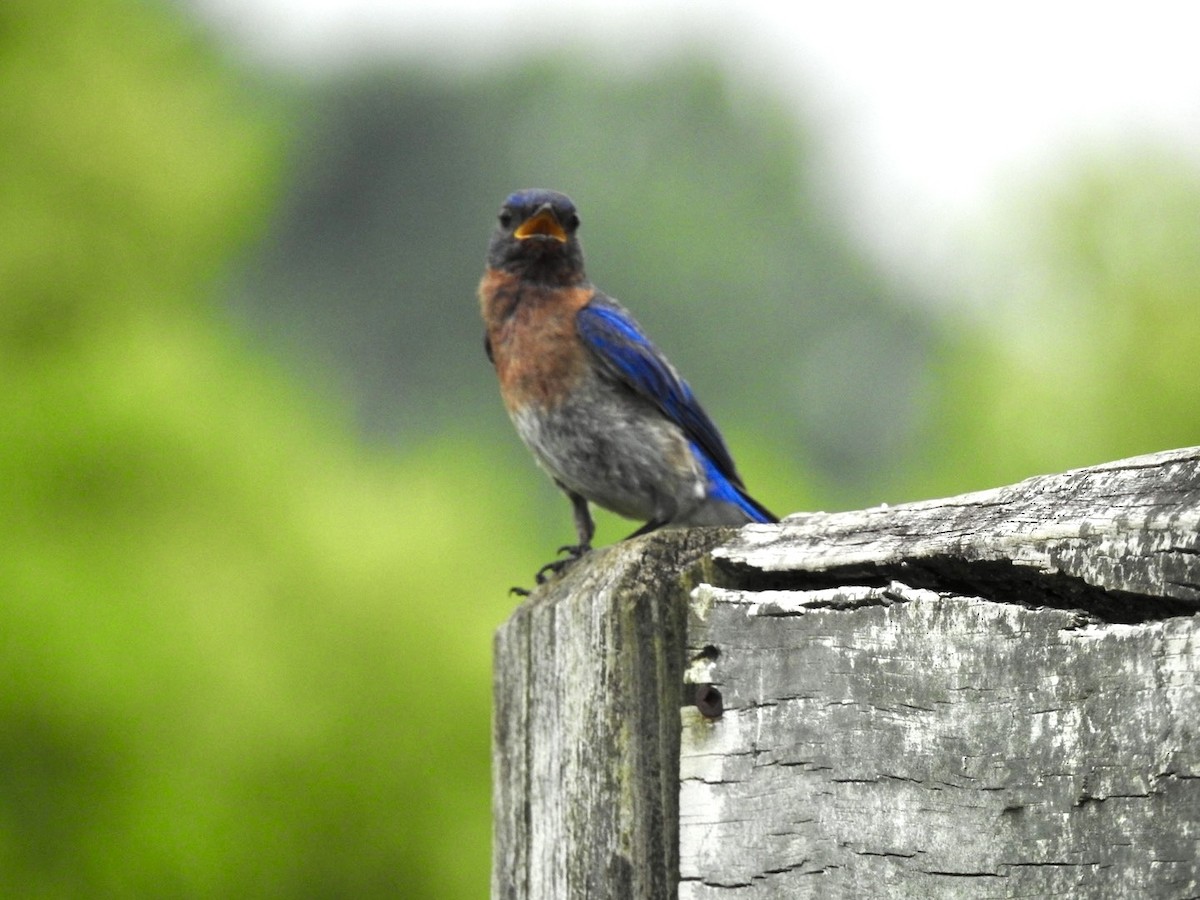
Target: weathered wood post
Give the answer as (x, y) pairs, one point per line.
(993, 695)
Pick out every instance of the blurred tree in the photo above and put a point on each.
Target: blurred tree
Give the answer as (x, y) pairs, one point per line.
(221, 669)
(697, 211)
(1087, 349)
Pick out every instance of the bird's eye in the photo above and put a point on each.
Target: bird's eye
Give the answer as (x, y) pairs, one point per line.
(506, 218)
(572, 221)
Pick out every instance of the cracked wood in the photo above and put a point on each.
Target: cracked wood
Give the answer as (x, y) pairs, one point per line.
(989, 695)
(1120, 539)
(903, 746)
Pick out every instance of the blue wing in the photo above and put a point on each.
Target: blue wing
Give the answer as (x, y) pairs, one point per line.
(626, 353)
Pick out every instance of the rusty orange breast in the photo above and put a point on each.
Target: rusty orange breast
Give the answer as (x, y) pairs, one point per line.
(535, 345)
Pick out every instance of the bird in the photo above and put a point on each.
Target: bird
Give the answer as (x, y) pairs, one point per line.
(600, 407)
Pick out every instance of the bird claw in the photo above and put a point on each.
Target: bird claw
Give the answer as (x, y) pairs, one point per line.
(553, 568)
(558, 566)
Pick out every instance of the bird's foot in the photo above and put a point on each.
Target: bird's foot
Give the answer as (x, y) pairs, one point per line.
(573, 551)
(550, 569)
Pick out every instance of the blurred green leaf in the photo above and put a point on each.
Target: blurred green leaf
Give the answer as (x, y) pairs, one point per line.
(1087, 350)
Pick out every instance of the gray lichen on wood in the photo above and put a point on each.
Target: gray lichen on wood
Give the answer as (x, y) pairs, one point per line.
(893, 730)
(928, 744)
(1120, 539)
(585, 740)
(990, 695)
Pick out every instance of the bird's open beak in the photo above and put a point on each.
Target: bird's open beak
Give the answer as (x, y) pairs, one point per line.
(543, 223)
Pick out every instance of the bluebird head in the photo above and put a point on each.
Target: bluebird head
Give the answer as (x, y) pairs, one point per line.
(535, 237)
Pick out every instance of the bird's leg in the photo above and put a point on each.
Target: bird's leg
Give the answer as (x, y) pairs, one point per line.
(585, 528)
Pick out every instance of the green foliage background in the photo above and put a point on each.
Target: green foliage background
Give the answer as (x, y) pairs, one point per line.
(260, 505)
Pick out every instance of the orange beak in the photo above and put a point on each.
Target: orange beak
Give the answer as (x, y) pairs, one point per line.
(543, 223)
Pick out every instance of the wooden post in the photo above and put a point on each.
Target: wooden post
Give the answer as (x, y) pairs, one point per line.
(992, 695)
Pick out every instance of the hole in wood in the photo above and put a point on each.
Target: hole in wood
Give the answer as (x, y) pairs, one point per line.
(708, 701)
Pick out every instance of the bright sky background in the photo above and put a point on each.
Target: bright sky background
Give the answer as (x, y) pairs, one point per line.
(930, 106)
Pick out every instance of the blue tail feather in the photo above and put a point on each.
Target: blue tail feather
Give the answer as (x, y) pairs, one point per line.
(722, 489)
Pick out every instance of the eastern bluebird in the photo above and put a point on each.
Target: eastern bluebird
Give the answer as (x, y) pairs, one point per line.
(600, 407)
